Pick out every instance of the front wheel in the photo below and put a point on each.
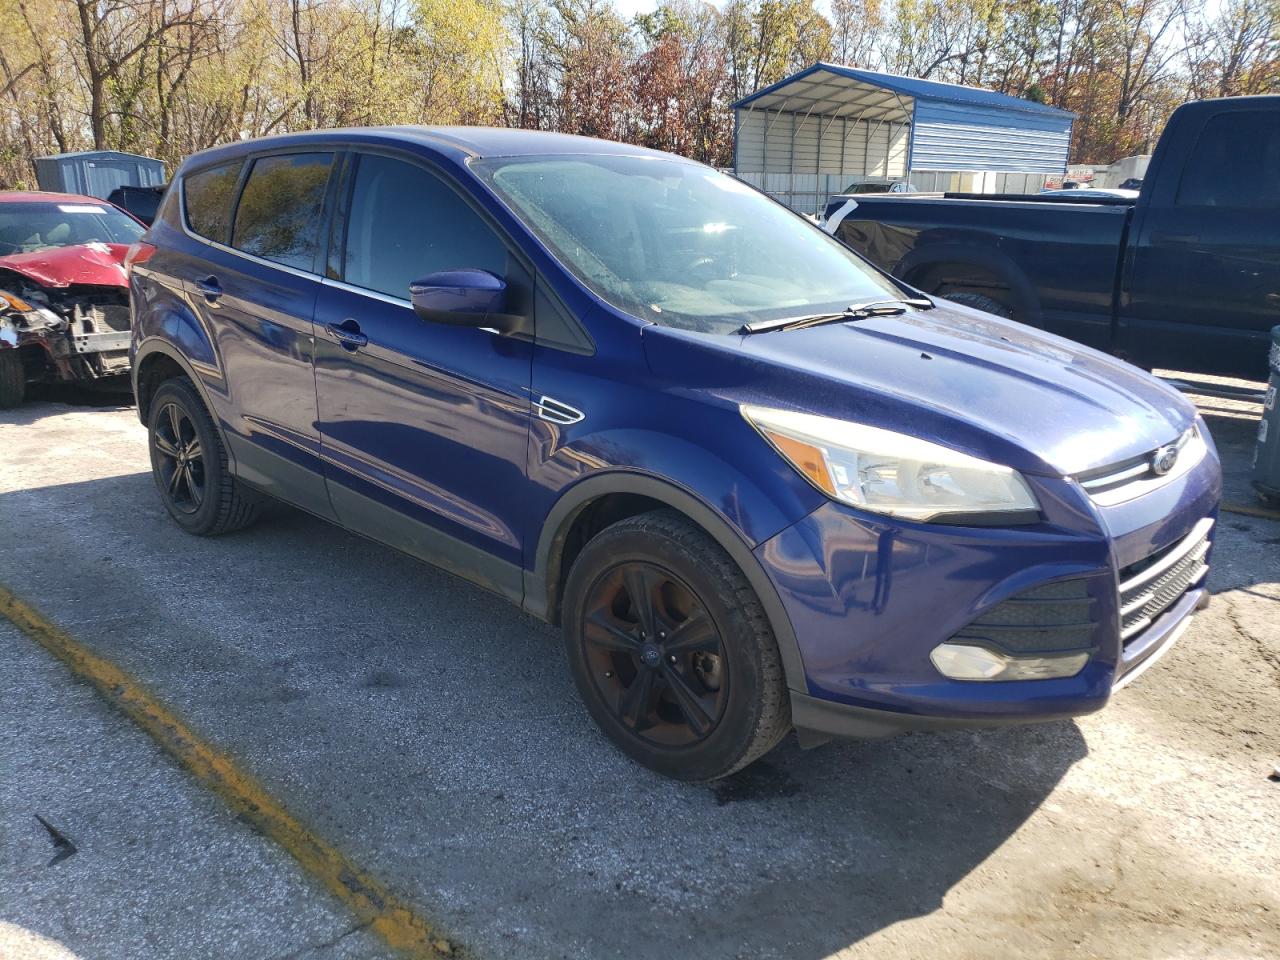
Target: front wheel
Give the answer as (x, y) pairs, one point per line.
(671, 650)
(13, 379)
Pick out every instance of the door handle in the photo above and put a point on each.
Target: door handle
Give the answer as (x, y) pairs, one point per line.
(348, 334)
(209, 288)
(1179, 239)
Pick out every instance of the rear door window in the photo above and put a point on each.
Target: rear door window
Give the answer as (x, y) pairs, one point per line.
(278, 216)
(406, 223)
(208, 197)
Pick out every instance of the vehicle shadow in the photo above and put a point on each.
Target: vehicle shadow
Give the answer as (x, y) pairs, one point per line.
(111, 392)
(434, 734)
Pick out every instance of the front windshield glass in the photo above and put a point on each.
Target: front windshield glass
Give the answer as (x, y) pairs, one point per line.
(27, 227)
(678, 243)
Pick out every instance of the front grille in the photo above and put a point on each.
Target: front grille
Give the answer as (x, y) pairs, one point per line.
(1136, 476)
(1056, 616)
(1149, 587)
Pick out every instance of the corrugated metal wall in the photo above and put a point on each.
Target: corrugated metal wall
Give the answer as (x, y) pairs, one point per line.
(952, 136)
(96, 173)
(802, 160)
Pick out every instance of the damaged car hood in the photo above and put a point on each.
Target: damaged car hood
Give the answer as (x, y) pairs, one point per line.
(96, 264)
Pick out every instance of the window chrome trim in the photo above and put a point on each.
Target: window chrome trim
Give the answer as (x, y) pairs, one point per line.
(365, 291)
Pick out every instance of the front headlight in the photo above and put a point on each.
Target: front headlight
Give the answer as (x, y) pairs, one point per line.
(887, 472)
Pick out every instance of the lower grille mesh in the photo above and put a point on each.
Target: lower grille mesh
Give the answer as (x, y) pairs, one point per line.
(1148, 588)
(1057, 616)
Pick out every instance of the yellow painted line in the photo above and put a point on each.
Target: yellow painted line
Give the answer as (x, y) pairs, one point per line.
(374, 905)
(1245, 510)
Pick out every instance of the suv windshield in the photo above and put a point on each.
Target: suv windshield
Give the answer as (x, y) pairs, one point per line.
(26, 227)
(677, 243)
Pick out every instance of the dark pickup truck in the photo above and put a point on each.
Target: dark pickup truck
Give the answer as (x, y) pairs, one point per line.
(1185, 277)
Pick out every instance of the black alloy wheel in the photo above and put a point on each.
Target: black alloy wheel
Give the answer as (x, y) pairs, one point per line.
(189, 464)
(671, 649)
(181, 467)
(655, 655)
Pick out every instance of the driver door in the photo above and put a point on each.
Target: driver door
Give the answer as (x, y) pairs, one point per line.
(424, 427)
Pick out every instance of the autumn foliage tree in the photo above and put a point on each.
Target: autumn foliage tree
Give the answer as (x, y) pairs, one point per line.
(168, 77)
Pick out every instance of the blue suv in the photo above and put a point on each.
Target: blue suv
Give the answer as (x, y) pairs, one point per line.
(761, 485)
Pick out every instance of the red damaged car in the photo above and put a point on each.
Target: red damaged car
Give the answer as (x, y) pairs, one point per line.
(64, 295)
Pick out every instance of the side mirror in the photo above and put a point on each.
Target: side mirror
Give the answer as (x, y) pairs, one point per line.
(464, 298)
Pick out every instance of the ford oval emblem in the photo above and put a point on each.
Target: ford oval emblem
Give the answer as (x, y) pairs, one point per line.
(1163, 460)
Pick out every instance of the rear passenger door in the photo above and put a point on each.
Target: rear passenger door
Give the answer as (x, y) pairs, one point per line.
(424, 426)
(255, 290)
(1203, 289)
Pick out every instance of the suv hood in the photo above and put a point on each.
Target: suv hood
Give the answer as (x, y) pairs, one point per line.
(974, 382)
(95, 264)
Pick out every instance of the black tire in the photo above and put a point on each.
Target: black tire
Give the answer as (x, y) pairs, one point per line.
(189, 464)
(979, 302)
(13, 379)
(711, 705)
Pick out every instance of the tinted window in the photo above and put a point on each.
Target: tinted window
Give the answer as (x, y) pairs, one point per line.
(28, 227)
(278, 216)
(406, 223)
(1236, 163)
(209, 195)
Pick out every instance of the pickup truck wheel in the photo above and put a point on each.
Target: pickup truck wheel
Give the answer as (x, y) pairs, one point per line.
(13, 379)
(671, 650)
(979, 302)
(189, 465)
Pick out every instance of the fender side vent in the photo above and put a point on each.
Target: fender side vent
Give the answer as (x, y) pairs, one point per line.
(554, 411)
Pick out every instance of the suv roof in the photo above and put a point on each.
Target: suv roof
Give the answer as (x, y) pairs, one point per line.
(466, 142)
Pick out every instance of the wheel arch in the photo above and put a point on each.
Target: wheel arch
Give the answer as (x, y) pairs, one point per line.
(603, 499)
(937, 266)
(157, 361)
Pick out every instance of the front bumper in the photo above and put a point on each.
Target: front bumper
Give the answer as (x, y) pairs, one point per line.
(870, 597)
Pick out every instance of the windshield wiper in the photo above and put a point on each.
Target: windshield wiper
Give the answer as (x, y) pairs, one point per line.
(857, 311)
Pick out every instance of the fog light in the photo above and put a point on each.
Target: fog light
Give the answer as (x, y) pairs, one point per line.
(962, 661)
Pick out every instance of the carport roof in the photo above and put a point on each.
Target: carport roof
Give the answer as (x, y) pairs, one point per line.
(831, 89)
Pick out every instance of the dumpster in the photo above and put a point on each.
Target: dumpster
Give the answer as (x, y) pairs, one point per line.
(1266, 456)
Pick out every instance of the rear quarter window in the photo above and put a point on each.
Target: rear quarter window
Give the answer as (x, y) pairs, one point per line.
(208, 197)
(278, 216)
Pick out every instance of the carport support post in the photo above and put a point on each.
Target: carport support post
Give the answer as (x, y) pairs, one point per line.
(844, 143)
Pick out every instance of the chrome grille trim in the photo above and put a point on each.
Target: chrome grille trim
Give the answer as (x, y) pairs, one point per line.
(1134, 478)
(1154, 588)
(1120, 476)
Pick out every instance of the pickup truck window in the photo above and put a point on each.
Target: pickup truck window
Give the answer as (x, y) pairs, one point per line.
(676, 243)
(1235, 163)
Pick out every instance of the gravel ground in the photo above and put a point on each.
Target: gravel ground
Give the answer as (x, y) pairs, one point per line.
(432, 733)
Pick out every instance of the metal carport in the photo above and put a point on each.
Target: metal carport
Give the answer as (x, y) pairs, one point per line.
(815, 132)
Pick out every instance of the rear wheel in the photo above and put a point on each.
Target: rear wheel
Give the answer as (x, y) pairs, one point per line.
(13, 379)
(189, 464)
(979, 301)
(671, 650)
